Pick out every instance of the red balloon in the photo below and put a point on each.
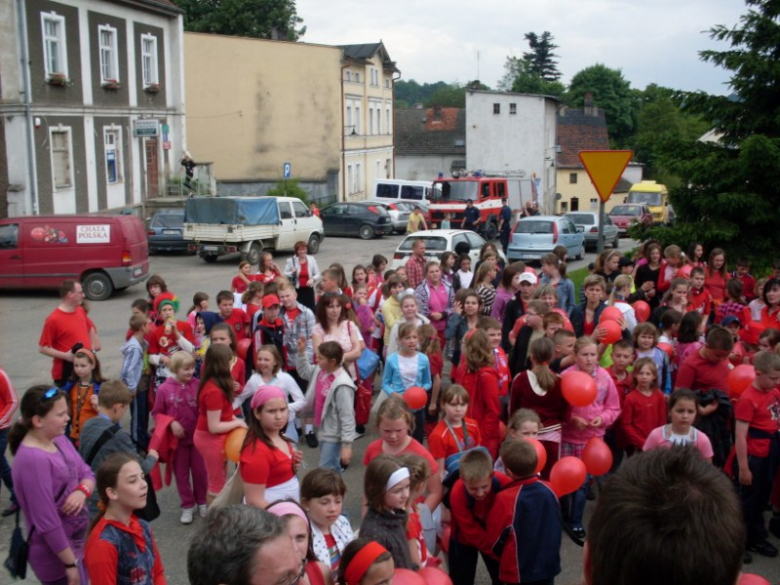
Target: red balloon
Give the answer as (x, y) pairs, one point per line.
(579, 388)
(611, 314)
(567, 475)
(642, 310)
(739, 379)
(435, 576)
(597, 456)
(666, 348)
(751, 579)
(446, 533)
(541, 453)
(407, 577)
(415, 397)
(242, 347)
(610, 331)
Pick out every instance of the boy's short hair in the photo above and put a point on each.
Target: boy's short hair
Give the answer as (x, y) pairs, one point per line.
(331, 350)
(224, 295)
(594, 280)
(553, 318)
(455, 392)
(698, 271)
(137, 322)
(699, 503)
(735, 288)
(419, 470)
(486, 323)
(644, 329)
(623, 344)
(719, 338)
(180, 360)
(113, 392)
(140, 304)
(562, 335)
(539, 306)
(672, 251)
(519, 457)
(743, 262)
(321, 482)
(766, 362)
(670, 318)
(475, 465)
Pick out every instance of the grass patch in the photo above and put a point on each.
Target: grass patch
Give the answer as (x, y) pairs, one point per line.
(577, 276)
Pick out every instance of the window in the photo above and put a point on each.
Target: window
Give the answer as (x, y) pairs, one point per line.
(358, 178)
(496, 108)
(378, 169)
(387, 118)
(349, 127)
(387, 83)
(61, 164)
(357, 120)
(54, 54)
(371, 120)
(357, 77)
(112, 141)
(572, 178)
(109, 57)
(284, 210)
(348, 75)
(564, 206)
(500, 191)
(594, 204)
(300, 209)
(149, 60)
(9, 236)
(512, 108)
(379, 120)
(388, 166)
(350, 179)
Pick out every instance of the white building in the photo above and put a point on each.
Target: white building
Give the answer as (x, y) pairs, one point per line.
(91, 103)
(513, 134)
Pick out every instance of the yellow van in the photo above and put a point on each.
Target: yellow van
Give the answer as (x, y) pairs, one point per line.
(655, 196)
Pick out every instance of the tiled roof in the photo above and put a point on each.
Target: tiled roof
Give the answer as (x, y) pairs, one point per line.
(161, 5)
(417, 133)
(579, 131)
(365, 51)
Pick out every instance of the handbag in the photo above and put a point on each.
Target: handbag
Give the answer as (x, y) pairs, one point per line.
(367, 364)
(233, 492)
(363, 397)
(16, 563)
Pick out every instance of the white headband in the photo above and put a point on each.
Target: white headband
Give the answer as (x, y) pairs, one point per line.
(397, 477)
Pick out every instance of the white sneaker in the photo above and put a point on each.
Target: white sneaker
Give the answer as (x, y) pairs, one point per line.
(186, 515)
(203, 510)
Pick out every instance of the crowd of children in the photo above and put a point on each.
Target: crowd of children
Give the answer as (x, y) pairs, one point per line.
(287, 353)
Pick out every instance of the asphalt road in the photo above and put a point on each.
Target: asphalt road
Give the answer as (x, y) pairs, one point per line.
(21, 318)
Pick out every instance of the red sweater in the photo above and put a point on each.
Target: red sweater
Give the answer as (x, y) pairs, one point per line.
(697, 373)
(623, 386)
(484, 407)
(551, 408)
(700, 300)
(469, 522)
(641, 414)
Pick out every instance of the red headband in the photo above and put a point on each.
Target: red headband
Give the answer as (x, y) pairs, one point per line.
(89, 353)
(362, 562)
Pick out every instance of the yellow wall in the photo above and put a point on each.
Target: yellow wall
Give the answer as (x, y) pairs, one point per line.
(584, 190)
(252, 105)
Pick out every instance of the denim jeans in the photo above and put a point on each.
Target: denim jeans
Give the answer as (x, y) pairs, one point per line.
(573, 505)
(5, 469)
(139, 414)
(330, 456)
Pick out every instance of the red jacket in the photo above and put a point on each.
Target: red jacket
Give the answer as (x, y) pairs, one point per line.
(8, 401)
(164, 442)
(469, 516)
(484, 406)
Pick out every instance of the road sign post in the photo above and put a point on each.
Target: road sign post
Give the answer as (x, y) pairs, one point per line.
(604, 167)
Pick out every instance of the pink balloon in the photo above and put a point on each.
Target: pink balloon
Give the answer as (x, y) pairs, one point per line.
(567, 475)
(752, 579)
(435, 576)
(407, 577)
(611, 314)
(578, 388)
(597, 456)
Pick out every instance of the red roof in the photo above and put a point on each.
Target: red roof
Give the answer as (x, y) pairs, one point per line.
(578, 131)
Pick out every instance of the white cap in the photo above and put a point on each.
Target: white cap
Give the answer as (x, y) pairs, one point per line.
(528, 277)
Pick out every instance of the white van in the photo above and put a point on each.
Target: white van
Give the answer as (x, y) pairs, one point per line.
(414, 191)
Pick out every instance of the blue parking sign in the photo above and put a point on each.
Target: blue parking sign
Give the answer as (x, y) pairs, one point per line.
(287, 170)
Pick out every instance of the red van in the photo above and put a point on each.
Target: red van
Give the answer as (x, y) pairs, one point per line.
(104, 252)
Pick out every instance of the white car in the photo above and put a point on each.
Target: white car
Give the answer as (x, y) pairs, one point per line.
(398, 211)
(438, 242)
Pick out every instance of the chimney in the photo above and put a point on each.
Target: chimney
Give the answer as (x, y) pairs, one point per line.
(588, 108)
(437, 113)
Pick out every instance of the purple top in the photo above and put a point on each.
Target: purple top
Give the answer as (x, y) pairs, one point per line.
(40, 477)
(181, 402)
(503, 296)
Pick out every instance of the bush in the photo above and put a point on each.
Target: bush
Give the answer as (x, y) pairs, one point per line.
(290, 188)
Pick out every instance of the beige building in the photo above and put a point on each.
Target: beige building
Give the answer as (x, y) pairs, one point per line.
(259, 108)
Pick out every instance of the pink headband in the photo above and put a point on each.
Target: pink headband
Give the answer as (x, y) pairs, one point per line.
(266, 393)
(286, 509)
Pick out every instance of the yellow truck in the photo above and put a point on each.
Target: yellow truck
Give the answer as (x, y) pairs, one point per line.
(655, 196)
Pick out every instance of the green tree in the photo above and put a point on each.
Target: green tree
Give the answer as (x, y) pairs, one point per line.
(527, 81)
(613, 94)
(289, 188)
(729, 195)
(263, 19)
(537, 71)
(541, 59)
(408, 93)
(448, 96)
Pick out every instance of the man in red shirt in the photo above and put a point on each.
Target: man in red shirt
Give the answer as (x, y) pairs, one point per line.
(236, 318)
(415, 266)
(66, 330)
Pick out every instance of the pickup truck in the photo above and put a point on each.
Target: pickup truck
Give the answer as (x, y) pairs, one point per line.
(215, 226)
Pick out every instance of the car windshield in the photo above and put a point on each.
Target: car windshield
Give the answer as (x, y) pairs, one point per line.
(458, 190)
(173, 220)
(534, 227)
(626, 210)
(432, 243)
(645, 198)
(582, 218)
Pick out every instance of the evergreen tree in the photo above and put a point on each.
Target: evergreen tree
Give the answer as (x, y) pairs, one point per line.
(541, 59)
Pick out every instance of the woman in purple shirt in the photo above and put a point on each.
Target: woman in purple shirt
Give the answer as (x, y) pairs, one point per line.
(53, 485)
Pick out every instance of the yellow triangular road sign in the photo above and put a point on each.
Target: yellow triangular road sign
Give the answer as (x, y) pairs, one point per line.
(605, 167)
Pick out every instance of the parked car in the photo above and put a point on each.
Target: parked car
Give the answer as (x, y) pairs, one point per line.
(439, 241)
(356, 218)
(624, 216)
(587, 222)
(104, 252)
(533, 237)
(166, 231)
(398, 211)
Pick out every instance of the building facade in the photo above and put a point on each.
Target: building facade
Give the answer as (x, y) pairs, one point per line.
(92, 103)
(262, 109)
(429, 141)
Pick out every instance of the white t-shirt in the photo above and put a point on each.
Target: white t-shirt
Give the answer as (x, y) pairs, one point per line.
(408, 367)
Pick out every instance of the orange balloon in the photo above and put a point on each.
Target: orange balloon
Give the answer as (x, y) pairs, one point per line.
(597, 456)
(578, 388)
(611, 314)
(541, 454)
(415, 397)
(642, 310)
(567, 475)
(242, 347)
(611, 331)
(739, 379)
(233, 444)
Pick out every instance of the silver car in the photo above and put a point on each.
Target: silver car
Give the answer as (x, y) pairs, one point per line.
(587, 223)
(533, 237)
(399, 213)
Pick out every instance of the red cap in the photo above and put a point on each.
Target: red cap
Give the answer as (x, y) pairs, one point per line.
(270, 301)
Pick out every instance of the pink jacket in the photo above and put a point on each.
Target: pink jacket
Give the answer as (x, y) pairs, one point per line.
(606, 405)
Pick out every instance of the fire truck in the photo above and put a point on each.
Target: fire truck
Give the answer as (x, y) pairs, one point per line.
(450, 196)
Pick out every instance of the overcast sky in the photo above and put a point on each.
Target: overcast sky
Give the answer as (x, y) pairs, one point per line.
(651, 41)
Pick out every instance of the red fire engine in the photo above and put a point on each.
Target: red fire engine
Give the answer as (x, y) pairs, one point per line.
(486, 193)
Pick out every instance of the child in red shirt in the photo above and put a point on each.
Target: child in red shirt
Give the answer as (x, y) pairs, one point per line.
(241, 281)
(430, 345)
(748, 282)
(644, 407)
(455, 433)
(236, 318)
(492, 327)
(270, 329)
(419, 471)
(699, 298)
